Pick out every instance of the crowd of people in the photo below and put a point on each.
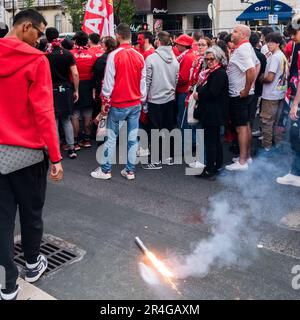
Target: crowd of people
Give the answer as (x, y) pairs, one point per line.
(65, 87)
(237, 79)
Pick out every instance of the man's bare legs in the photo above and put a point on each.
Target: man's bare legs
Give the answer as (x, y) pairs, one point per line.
(244, 138)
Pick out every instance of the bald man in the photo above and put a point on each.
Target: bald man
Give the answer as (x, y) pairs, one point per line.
(242, 70)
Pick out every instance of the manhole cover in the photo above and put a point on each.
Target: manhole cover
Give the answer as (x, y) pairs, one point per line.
(58, 252)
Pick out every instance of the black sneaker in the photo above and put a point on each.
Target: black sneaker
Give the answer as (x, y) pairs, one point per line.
(207, 175)
(72, 153)
(11, 295)
(152, 166)
(34, 272)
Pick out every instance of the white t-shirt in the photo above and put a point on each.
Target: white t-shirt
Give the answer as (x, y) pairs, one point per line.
(265, 51)
(242, 59)
(277, 64)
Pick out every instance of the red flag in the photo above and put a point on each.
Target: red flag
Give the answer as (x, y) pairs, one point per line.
(99, 17)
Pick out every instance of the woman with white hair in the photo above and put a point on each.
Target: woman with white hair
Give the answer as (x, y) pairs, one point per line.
(212, 109)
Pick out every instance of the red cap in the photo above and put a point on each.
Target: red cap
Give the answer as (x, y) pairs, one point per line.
(184, 40)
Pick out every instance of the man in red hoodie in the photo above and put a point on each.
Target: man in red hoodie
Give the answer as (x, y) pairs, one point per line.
(27, 127)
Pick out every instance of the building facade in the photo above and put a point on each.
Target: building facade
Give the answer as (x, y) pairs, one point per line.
(227, 11)
(172, 15)
(188, 15)
(54, 12)
(175, 16)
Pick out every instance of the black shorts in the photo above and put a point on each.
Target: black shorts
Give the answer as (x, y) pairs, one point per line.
(85, 95)
(240, 110)
(63, 100)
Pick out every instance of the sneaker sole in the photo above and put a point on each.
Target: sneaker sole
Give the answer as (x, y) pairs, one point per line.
(287, 183)
(244, 169)
(100, 178)
(11, 296)
(169, 164)
(31, 280)
(154, 168)
(126, 176)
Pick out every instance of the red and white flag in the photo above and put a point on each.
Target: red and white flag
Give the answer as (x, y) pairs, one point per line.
(99, 18)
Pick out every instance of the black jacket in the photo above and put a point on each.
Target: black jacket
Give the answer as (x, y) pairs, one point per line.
(98, 74)
(213, 100)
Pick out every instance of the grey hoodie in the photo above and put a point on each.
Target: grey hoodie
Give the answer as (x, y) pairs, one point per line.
(162, 75)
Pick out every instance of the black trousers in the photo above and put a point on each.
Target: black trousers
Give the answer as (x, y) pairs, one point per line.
(25, 190)
(161, 116)
(295, 145)
(213, 148)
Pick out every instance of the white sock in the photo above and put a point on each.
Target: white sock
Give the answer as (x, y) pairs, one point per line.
(31, 266)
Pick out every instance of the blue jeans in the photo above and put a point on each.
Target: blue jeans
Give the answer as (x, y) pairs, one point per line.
(131, 115)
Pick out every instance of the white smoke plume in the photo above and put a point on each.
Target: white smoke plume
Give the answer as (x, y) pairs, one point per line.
(220, 248)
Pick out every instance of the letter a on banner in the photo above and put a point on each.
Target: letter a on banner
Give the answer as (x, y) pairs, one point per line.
(99, 17)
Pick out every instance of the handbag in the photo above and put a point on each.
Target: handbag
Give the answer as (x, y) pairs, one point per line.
(14, 158)
(191, 107)
(101, 130)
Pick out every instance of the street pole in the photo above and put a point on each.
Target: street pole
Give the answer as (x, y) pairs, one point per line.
(272, 10)
(13, 9)
(271, 6)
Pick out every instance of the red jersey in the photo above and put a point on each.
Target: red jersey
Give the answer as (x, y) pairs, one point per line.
(97, 51)
(186, 60)
(125, 77)
(195, 48)
(85, 61)
(146, 53)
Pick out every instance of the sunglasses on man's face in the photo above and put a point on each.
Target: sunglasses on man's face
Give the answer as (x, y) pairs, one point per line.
(40, 33)
(210, 59)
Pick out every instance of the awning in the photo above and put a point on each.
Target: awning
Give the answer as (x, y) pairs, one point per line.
(261, 10)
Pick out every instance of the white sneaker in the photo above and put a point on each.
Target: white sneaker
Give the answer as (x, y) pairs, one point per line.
(99, 174)
(289, 179)
(237, 159)
(169, 161)
(237, 167)
(10, 296)
(197, 165)
(141, 152)
(128, 175)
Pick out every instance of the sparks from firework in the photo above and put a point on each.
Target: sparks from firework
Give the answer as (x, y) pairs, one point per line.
(159, 266)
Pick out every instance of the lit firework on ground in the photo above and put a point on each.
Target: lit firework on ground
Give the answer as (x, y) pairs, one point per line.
(159, 266)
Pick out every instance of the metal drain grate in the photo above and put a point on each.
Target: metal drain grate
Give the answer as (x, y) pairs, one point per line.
(58, 252)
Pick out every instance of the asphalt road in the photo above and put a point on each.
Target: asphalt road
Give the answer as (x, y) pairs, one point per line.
(172, 213)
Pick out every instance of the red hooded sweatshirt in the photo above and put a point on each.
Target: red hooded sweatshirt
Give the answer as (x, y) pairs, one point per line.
(26, 98)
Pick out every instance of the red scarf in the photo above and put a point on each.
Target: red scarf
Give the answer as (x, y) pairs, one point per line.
(180, 57)
(195, 71)
(56, 43)
(203, 76)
